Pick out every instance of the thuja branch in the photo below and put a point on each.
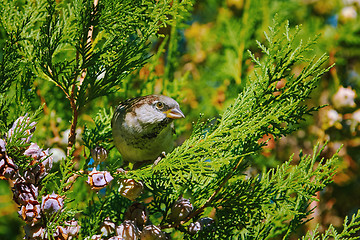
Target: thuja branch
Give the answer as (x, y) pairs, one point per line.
(212, 197)
(72, 134)
(74, 107)
(89, 40)
(209, 200)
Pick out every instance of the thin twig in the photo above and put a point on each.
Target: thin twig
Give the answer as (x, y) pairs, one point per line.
(71, 180)
(74, 107)
(72, 134)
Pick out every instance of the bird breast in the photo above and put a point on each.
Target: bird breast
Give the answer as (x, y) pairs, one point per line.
(143, 147)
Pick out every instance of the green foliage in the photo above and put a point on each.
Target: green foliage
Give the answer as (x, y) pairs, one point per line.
(16, 27)
(274, 203)
(97, 67)
(101, 134)
(55, 52)
(289, 190)
(18, 138)
(256, 112)
(215, 154)
(349, 231)
(16, 76)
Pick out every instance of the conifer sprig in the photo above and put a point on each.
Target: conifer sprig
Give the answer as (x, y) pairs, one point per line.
(215, 153)
(350, 231)
(17, 26)
(100, 50)
(261, 109)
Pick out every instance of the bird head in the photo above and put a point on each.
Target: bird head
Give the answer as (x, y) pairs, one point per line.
(154, 109)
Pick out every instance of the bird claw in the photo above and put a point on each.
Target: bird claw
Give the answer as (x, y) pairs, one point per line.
(121, 171)
(162, 155)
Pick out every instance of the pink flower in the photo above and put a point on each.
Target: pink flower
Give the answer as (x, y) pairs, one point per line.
(33, 151)
(107, 227)
(30, 212)
(24, 192)
(35, 231)
(22, 126)
(52, 203)
(2, 146)
(99, 179)
(128, 230)
(73, 228)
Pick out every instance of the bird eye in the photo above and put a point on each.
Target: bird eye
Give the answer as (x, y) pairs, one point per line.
(160, 105)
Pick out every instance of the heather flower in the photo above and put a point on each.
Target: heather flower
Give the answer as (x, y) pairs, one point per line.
(137, 212)
(355, 120)
(30, 212)
(356, 116)
(152, 232)
(35, 232)
(73, 228)
(330, 118)
(130, 189)
(2, 147)
(107, 227)
(39, 155)
(52, 203)
(18, 126)
(333, 116)
(61, 233)
(128, 230)
(99, 179)
(46, 160)
(24, 192)
(180, 210)
(42, 163)
(347, 14)
(33, 151)
(8, 168)
(10, 173)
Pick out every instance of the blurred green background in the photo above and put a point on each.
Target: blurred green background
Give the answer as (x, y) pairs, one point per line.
(203, 63)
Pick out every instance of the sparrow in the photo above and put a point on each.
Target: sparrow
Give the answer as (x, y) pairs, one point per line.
(143, 127)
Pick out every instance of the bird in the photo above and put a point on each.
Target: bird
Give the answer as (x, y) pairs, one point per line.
(143, 128)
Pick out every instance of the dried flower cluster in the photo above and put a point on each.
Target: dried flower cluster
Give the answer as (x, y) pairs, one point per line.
(130, 188)
(8, 170)
(26, 185)
(201, 224)
(180, 210)
(99, 179)
(135, 226)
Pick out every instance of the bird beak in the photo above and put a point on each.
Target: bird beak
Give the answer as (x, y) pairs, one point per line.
(174, 113)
